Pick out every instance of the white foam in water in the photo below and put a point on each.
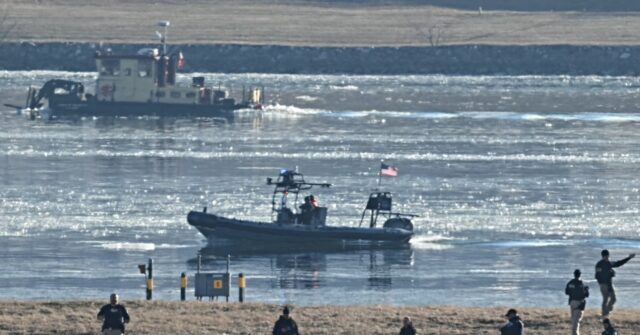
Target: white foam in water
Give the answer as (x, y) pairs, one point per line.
(507, 271)
(344, 87)
(609, 158)
(283, 110)
(480, 115)
(531, 243)
(617, 243)
(433, 242)
(306, 98)
(587, 117)
(128, 246)
(35, 75)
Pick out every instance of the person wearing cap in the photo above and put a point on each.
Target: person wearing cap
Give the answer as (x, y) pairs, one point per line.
(608, 328)
(578, 293)
(604, 275)
(514, 326)
(407, 327)
(285, 324)
(114, 316)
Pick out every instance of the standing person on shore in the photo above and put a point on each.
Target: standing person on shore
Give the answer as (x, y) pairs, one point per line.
(608, 328)
(514, 326)
(604, 275)
(114, 317)
(407, 327)
(285, 324)
(578, 293)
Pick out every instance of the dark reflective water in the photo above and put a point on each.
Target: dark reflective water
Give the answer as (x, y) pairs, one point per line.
(517, 181)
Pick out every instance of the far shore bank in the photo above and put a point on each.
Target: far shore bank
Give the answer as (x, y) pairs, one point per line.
(192, 317)
(466, 37)
(606, 60)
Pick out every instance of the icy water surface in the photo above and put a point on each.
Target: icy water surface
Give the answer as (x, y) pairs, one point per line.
(517, 181)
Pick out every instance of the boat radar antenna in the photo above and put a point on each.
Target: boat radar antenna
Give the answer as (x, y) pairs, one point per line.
(163, 36)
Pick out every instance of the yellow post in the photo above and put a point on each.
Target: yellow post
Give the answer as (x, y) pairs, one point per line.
(150, 279)
(242, 284)
(183, 286)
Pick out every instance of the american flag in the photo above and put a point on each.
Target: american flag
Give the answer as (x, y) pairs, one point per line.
(180, 61)
(388, 170)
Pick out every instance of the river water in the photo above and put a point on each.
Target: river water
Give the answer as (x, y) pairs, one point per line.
(517, 181)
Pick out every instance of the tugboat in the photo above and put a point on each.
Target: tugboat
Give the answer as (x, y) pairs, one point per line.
(134, 85)
(307, 224)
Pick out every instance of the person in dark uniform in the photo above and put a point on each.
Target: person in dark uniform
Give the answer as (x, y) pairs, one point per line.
(306, 210)
(578, 293)
(604, 275)
(114, 316)
(285, 324)
(514, 326)
(608, 328)
(407, 327)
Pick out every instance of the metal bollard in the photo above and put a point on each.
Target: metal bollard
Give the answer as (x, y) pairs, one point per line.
(242, 283)
(150, 280)
(183, 286)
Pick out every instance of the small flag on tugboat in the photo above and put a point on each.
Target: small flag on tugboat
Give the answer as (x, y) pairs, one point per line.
(388, 170)
(180, 60)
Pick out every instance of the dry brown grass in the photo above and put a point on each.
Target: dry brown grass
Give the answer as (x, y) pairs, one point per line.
(163, 317)
(328, 23)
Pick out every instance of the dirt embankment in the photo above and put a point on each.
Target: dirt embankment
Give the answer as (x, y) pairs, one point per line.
(163, 317)
(514, 37)
(329, 22)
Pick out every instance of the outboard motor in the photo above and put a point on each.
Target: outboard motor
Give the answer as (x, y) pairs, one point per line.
(398, 222)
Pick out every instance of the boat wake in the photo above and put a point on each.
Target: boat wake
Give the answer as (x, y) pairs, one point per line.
(434, 242)
(278, 110)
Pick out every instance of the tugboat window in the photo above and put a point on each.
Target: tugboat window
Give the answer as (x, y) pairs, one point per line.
(160, 94)
(144, 68)
(110, 67)
(190, 95)
(175, 94)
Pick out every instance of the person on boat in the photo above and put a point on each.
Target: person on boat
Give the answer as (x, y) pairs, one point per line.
(514, 325)
(114, 316)
(306, 209)
(604, 275)
(407, 327)
(578, 293)
(608, 328)
(285, 324)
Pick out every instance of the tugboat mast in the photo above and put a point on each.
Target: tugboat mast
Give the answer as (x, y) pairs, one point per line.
(163, 36)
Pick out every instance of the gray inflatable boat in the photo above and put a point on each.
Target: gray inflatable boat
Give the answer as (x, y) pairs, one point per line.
(308, 223)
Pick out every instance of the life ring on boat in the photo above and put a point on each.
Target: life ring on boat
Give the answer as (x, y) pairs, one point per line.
(107, 91)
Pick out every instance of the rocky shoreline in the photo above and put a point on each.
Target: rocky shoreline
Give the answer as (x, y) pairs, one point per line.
(451, 60)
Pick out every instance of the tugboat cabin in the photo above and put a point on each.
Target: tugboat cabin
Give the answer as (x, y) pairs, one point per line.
(150, 77)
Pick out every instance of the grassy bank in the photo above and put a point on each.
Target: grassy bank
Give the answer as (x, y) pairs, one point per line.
(162, 317)
(326, 23)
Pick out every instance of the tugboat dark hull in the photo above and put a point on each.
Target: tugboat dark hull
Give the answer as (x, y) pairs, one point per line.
(213, 226)
(115, 109)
